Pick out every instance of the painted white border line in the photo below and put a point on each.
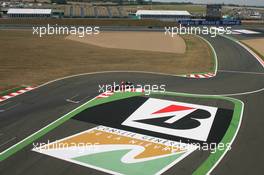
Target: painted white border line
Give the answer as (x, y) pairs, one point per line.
(241, 72)
(245, 31)
(252, 53)
(144, 72)
(209, 74)
(245, 47)
(214, 55)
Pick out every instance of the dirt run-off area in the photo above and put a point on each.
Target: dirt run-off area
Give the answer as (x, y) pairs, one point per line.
(257, 45)
(147, 41)
(30, 60)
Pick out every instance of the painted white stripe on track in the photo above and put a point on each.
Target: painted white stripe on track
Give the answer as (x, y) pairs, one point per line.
(242, 72)
(7, 97)
(22, 91)
(14, 94)
(245, 31)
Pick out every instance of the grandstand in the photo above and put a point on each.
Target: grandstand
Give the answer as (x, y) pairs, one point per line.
(115, 12)
(80, 10)
(94, 11)
(76, 11)
(102, 12)
(166, 15)
(121, 12)
(29, 13)
(89, 12)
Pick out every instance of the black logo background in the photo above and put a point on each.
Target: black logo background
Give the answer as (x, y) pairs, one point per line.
(115, 113)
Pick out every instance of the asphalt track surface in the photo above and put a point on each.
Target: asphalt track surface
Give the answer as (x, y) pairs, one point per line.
(241, 76)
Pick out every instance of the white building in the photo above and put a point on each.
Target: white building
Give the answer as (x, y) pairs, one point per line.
(28, 13)
(166, 15)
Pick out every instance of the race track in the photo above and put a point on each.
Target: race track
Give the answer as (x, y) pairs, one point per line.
(239, 76)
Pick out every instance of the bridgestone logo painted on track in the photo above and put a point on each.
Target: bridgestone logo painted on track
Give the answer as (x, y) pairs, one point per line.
(173, 118)
(119, 152)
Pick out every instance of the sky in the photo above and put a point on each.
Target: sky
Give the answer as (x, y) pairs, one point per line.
(240, 2)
